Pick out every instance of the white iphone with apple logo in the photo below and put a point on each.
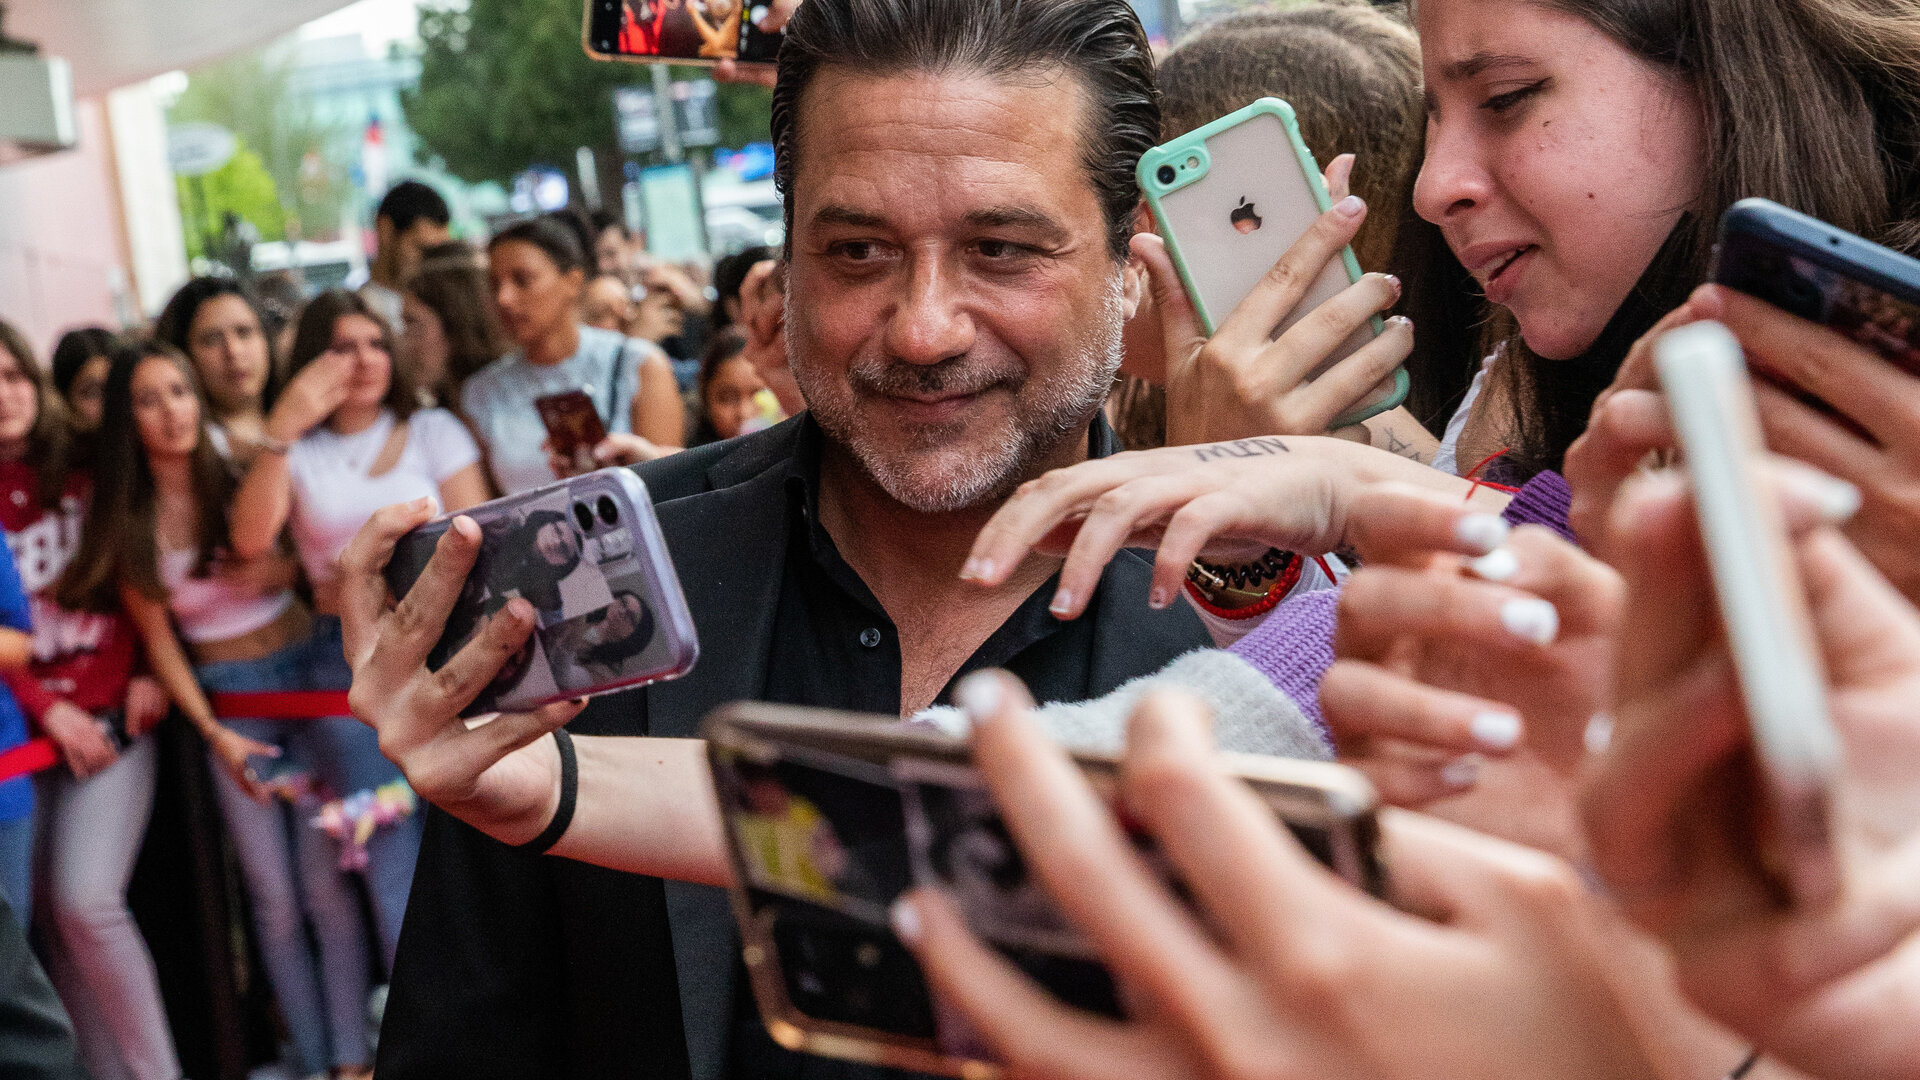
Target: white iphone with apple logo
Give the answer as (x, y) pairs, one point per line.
(1230, 198)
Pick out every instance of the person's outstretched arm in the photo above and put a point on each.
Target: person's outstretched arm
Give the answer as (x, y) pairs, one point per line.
(644, 805)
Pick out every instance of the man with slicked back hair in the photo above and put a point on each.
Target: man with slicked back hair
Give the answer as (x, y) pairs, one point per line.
(959, 192)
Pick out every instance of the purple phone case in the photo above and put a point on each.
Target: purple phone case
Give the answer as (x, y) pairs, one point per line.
(588, 554)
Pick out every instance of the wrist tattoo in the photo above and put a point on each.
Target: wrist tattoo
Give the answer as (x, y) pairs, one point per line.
(1397, 445)
(1240, 448)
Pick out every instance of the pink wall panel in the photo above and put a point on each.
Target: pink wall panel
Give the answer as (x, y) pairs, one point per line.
(60, 257)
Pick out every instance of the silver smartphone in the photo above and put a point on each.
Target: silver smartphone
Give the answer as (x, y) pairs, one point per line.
(1762, 605)
(588, 554)
(830, 816)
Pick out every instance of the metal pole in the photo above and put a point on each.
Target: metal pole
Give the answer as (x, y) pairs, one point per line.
(663, 104)
(1171, 20)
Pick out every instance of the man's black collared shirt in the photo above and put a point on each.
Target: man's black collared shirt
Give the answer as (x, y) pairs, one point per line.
(834, 647)
(514, 965)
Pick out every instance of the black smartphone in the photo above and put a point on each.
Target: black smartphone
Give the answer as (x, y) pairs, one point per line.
(1826, 275)
(113, 724)
(830, 816)
(588, 554)
(679, 31)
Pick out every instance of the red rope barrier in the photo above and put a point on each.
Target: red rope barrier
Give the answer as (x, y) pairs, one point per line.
(281, 705)
(28, 757)
(37, 754)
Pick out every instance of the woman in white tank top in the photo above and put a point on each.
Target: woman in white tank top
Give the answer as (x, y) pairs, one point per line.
(156, 542)
(346, 437)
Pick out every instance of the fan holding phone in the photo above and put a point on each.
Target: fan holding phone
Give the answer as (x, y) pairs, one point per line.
(1831, 324)
(1755, 806)
(1268, 325)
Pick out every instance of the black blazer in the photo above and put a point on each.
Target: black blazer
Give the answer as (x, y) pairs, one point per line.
(514, 966)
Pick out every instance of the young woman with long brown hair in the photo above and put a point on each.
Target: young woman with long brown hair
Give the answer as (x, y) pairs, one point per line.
(346, 438)
(1352, 74)
(1579, 156)
(78, 682)
(156, 543)
(450, 329)
(216, 324)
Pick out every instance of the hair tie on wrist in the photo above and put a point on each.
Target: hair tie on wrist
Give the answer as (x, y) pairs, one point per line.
(569, 794)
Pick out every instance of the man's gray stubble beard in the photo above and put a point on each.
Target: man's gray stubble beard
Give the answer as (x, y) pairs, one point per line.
(992, 475)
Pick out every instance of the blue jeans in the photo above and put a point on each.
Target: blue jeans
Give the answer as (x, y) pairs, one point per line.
(349, 760)
(294, 878)
(16, 867)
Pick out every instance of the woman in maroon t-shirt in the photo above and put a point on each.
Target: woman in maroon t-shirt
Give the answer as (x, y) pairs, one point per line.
(80, 689)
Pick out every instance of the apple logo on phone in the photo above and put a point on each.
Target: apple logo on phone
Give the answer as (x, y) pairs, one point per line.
(1244, 220)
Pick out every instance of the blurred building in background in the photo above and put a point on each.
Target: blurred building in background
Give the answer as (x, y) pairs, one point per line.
(94, 234)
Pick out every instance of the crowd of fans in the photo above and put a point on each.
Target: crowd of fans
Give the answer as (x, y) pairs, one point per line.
(1493, 600)
(179, 497)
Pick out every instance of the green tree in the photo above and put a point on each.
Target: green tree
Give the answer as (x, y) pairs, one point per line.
(250, 95)
(241, 187)
(504, 85)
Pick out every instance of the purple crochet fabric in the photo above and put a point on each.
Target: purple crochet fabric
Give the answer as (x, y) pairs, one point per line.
(1544, 500)
(1293, 647)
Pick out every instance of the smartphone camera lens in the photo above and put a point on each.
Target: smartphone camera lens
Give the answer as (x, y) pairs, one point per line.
(1166, 174)
(584, 516)
(609, 510)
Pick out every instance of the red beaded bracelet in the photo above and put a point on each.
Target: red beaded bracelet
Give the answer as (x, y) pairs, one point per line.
(1275, 593)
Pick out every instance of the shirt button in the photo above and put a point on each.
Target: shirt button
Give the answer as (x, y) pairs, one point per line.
(870, 637)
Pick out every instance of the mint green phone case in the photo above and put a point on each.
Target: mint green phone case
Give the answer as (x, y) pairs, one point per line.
(1219, 259)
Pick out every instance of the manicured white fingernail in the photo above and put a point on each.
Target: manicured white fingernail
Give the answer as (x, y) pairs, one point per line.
(905, 920)
(1351, 206)
(1834, 499)
(978, 570)
(970, 570)
(1461, 772)
(1530, 618)
(1157, 597)
(1500, 564)
(1599, 734)
(1062, 602)
(979, 696)
(1481, 533)
(1495, 730)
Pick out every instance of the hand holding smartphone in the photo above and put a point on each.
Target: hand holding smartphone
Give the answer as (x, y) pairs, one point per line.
(1762, 606)
(588, 555)
(831, 816)
(1825, 275)
(1230, 199)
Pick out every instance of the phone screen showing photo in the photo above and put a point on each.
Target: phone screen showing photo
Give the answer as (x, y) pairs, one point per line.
(694, 30)
(573, 426)
(827, 843)
(573, 554)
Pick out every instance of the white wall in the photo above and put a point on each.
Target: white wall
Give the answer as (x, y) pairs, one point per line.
(156, 250)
